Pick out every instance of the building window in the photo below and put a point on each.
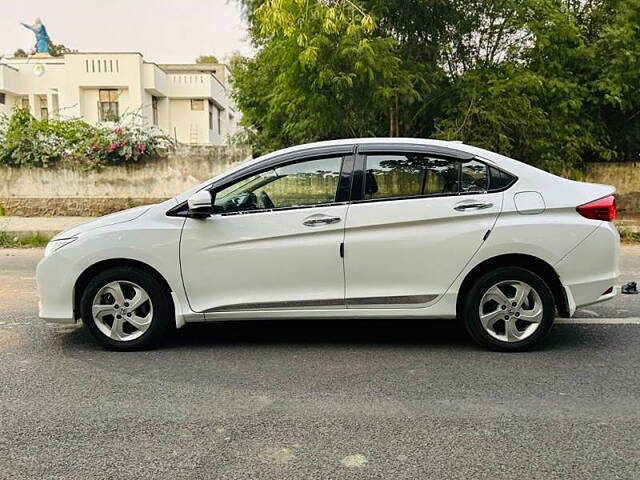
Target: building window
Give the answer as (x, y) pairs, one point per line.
(2, 99)
(211, 108)
(197, 105)
(44, 109)
(154, 108)
(108, 110)
(24, 103)
(219, 122)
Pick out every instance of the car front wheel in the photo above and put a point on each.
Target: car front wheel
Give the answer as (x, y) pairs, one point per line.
(126, 309)
(509, 309)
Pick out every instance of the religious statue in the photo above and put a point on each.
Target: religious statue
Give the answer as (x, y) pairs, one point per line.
(42, 38)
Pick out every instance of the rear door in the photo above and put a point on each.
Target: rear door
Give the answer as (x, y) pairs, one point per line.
(415, 222)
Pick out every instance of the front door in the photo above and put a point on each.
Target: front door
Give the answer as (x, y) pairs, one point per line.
(274, 245)
(420, 220)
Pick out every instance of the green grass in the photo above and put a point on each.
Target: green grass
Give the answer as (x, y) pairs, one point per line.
(627, 235)
(33, 240)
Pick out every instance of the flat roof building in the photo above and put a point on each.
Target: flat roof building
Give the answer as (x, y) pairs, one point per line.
(189, 102)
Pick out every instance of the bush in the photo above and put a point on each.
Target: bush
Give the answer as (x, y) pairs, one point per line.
(31, 240)
(28, 142)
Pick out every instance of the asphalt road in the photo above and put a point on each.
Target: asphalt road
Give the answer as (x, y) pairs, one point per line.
(321, 400)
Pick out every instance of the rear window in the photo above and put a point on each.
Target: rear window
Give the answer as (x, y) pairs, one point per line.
(475, 178)
(499, 180)
(409, 175)
(406, 175)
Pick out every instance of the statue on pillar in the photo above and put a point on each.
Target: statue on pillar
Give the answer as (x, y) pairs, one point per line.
(42, 37)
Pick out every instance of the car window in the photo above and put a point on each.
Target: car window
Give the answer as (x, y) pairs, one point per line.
(311, 182)
(474, 177)
(499, 180)
(409, 175)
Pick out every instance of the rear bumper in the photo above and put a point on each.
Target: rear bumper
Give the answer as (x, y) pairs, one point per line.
(591, 268)
(571, 303)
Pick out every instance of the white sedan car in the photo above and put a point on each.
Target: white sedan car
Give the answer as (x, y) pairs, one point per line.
(359, 228)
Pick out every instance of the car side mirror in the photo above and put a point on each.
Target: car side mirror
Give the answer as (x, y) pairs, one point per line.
(200, 204)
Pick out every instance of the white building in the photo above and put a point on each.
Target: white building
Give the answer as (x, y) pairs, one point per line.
(190, 103)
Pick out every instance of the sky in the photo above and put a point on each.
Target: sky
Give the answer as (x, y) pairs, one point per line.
(164, 31)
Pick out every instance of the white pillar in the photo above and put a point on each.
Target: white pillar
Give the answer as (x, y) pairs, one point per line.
(33, 108)
(164, 116)
(51, 107)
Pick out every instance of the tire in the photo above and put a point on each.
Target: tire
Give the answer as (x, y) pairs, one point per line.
(504, 326)
(141, 323)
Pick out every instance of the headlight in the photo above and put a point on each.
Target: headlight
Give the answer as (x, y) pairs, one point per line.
(57, 244)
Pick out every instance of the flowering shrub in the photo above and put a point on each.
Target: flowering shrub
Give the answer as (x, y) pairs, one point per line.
(25, 141)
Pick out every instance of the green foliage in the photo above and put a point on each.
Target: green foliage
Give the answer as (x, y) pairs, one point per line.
(550, 82)
(33, 240)
(59, 50)
(28, 142)
(628, 235)
(617, 86)
(207, 59)
(55, 50)
(321, 72)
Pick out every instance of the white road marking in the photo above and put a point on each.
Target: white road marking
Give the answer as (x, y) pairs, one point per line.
(590, 312)
(600, 321)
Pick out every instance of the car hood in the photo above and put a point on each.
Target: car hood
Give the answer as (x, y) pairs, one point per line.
(112, 219)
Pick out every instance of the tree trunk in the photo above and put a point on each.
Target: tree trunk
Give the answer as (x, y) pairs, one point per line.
(394, 117)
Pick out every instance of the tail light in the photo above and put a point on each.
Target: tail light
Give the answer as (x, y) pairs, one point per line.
(602, 209)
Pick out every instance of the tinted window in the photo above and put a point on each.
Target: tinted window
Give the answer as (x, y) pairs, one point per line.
(409, 175)
(312, 182)
(474, 177)
(499, 179)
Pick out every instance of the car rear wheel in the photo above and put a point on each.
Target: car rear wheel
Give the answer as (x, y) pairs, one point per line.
(509, 309)
(126, 309)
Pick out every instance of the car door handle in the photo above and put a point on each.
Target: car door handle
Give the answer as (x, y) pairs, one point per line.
(472, 206)
(316, 221)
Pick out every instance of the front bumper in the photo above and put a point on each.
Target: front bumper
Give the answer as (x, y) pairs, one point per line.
(55, 281)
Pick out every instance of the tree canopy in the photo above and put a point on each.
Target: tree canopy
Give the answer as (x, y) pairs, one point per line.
(55, 50)
(207, 59)
(550, 82)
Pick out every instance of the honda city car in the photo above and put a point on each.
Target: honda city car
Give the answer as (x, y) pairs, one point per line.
(357, 228)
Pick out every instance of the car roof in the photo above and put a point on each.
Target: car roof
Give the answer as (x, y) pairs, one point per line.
(365, 141)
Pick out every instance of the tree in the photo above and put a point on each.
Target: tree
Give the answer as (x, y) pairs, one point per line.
(550, 82)
(55, 50)
(59, 50)
(321, 72)
(207, 59)
(617, 86)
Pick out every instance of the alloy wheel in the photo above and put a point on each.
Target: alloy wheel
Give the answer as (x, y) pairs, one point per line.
(511, 311)
(122, 310)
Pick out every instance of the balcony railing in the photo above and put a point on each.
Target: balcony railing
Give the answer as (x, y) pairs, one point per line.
(190, 85)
